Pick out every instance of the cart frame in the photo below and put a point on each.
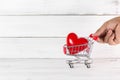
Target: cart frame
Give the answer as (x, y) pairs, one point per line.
(82, 57)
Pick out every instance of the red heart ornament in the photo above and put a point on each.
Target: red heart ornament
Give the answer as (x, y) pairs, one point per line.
(83, 44)
(75, 44)
(71, 39)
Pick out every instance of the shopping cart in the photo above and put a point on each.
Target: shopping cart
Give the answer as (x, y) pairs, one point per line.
(82, 52)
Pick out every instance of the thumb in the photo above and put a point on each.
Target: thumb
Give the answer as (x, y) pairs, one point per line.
(100, 31)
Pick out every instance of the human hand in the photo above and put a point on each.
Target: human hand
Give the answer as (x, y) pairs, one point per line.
(109, 32)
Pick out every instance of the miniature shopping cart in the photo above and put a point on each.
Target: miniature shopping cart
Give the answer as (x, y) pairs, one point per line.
(81, 56)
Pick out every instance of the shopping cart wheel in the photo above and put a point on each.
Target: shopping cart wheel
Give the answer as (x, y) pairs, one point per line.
(88, 65)
(71, 65)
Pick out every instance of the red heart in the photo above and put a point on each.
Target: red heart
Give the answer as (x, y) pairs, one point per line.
(72, 39)
(83, 43)
(75, 44)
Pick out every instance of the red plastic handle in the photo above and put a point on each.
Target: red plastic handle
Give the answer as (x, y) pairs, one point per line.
(93, 37)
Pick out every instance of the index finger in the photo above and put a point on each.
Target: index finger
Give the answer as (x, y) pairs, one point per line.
(101, 30)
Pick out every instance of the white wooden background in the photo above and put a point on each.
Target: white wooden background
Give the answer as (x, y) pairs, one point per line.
(37, 28)
(33, 32)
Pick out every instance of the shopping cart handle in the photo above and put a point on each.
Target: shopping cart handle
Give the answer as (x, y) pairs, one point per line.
(93, 37)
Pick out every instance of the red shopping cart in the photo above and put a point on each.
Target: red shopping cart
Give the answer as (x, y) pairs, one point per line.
(82, 52)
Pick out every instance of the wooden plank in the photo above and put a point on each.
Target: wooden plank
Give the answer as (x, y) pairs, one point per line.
(37, 7)
(49, 26)
(118, 8)
(48, 48)
(45, 69)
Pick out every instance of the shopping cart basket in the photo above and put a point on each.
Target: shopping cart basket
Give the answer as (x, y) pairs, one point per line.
(82, 52)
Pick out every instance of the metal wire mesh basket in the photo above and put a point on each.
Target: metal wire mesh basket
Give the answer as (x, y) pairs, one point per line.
(81, 52)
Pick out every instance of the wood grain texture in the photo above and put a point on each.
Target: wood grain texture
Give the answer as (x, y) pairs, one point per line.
(118, 9)
(44, 36)
(48, 48)
(57, 69)
(37, 7)
(37, 28)
(49, 26)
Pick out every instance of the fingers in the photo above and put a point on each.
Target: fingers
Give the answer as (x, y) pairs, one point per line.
(109, 32)
(111, 40)
(101, 30)
(108, 38)
(108, 35)
(117, 34)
